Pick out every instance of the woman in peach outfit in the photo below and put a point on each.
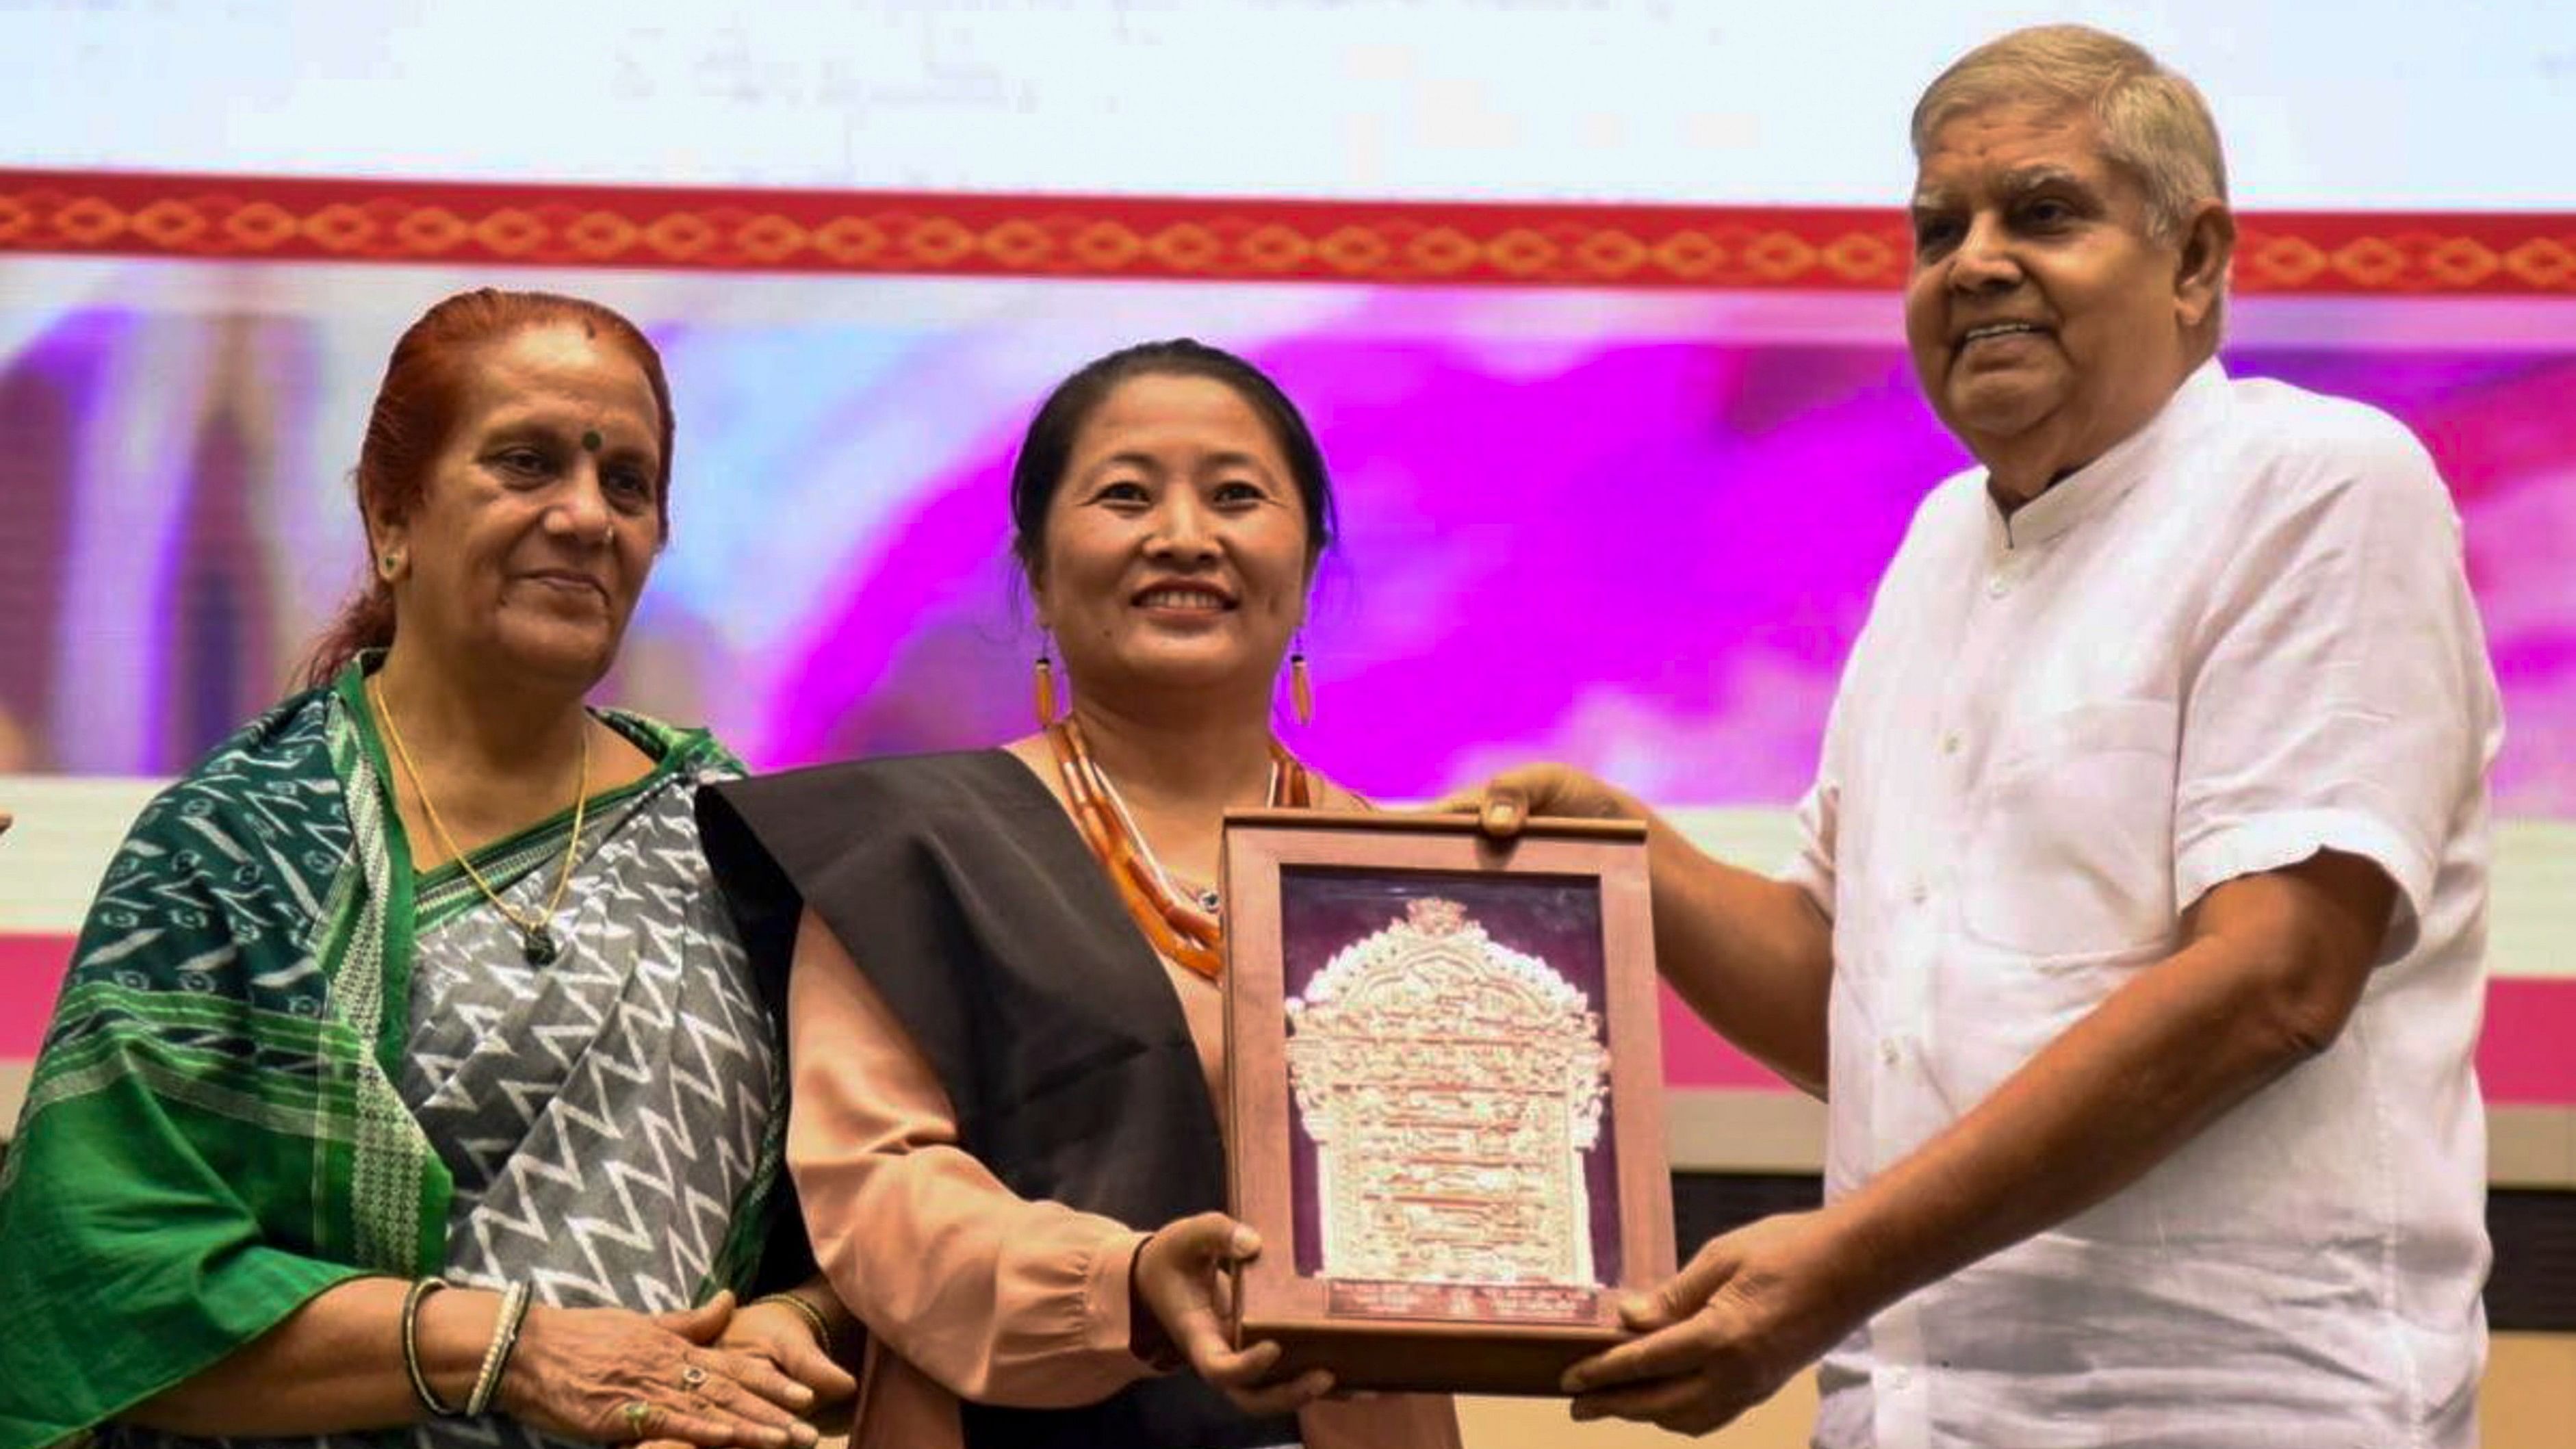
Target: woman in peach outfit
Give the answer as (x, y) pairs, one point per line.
(1006, 1035)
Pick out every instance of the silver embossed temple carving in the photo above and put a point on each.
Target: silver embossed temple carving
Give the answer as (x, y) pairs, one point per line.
(1452, 1087)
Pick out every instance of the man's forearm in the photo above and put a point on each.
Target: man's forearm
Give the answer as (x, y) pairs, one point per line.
(2125, 1087)
(1752, 956)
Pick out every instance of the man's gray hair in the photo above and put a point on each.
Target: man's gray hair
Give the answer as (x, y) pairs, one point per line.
(2154, 123)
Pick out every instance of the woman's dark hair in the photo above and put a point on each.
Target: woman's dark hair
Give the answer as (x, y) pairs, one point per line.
(1047, 448)
(416, 409)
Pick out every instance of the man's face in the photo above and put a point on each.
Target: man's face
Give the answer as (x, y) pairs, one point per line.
(2046, 322)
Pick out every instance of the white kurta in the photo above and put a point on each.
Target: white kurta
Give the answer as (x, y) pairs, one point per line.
(2241, 636)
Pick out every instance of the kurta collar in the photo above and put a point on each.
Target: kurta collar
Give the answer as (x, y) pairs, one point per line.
(2094, 488)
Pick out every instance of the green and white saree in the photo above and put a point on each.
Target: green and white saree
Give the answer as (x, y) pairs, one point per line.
(281, 1061)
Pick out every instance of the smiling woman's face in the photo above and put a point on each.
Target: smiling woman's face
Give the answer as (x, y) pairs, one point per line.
(1175, 550)
(539, 522)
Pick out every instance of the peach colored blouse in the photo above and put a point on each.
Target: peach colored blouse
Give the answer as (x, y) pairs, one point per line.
(966, 1288)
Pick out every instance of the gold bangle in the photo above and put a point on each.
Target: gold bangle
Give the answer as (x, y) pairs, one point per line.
(420, 1389)
(813, 1316)
(496, 1354)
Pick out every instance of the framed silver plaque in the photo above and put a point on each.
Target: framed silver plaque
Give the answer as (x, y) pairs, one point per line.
(1445, 1094)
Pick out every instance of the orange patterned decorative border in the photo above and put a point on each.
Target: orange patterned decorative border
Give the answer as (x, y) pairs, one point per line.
(251, 218)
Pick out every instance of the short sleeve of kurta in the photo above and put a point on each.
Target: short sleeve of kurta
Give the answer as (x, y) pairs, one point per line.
(2337, 696)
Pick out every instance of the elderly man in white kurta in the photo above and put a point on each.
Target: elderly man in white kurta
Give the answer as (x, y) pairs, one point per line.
(2138, 924)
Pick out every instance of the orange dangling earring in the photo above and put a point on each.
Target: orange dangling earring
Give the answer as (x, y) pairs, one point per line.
(1301, 690)
(1045, 685)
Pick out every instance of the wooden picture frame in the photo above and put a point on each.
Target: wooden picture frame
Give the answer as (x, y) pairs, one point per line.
(1438, 987)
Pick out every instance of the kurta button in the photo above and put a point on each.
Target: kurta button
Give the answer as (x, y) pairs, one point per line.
(1918, 893)
(1887, 1052)
(1950, 744)
(1997, 586)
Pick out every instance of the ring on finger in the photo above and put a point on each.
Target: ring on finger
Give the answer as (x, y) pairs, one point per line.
(639, 1417)
(692, 1378)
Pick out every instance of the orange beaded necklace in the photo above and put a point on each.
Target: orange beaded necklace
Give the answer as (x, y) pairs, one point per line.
(1180, 926)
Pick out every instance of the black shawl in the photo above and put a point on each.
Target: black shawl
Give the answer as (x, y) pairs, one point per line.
(961, 888)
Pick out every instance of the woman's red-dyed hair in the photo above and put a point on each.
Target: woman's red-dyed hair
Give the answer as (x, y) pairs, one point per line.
(416, 409)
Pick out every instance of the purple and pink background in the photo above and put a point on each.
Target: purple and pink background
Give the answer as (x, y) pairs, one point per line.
(1633, 530)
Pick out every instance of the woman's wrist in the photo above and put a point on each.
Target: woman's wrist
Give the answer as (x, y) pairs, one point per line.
(815, 1319)
(506, 1326)
(512, 1395)
(452, 1332)
(1148, 1341)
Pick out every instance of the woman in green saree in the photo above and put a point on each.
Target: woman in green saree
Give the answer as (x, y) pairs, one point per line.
(408, 1075)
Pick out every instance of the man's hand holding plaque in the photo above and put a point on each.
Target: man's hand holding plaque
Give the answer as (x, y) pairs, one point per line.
(1743, 1317)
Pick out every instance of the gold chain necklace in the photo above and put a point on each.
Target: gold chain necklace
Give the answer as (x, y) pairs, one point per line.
(536, 937)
